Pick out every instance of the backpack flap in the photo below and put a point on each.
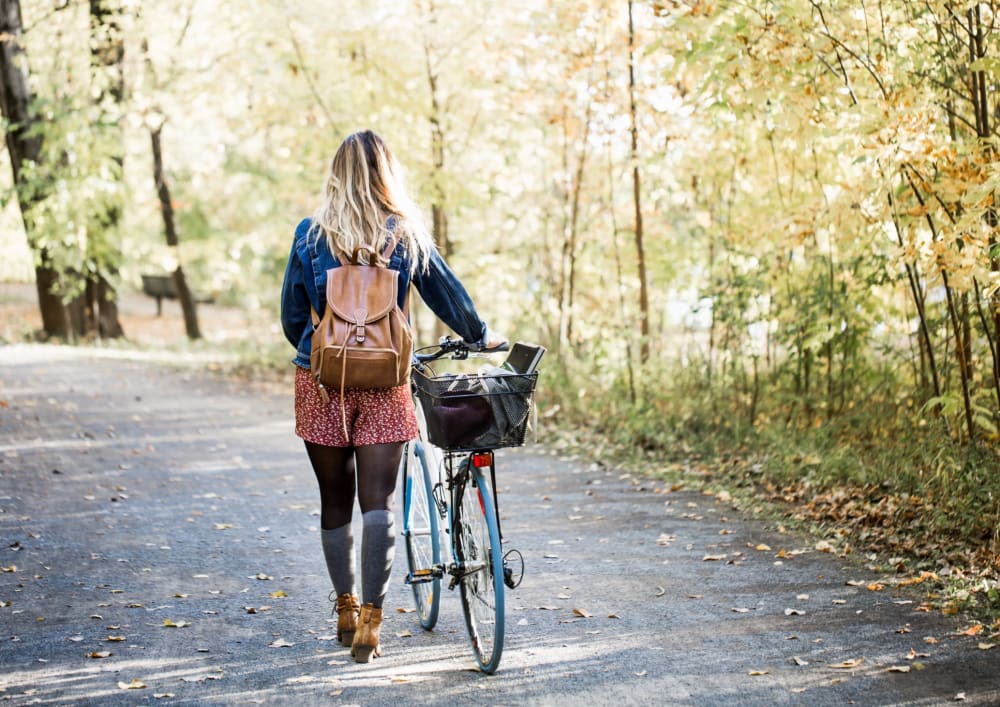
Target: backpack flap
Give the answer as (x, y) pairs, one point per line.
(361, 293)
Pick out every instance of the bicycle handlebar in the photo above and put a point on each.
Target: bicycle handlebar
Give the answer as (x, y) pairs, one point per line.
(454, 348)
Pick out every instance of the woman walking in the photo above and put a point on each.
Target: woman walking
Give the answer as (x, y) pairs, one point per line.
(354, 438)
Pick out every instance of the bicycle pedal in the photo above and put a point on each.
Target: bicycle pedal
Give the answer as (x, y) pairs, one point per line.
(422, 576)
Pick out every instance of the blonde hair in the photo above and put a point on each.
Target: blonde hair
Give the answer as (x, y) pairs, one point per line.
(364, 188)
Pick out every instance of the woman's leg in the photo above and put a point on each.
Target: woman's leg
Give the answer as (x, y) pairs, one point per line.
(378, 468)
(334, 469)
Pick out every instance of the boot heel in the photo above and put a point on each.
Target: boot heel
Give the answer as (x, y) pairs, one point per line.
(345, 638)
(366, 644)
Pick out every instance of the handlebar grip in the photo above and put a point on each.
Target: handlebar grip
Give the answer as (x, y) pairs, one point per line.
(505, 346)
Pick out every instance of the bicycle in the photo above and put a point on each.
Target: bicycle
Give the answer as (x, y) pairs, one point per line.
(462, 419)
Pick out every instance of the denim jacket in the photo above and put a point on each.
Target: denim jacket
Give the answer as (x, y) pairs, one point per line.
(304, 287)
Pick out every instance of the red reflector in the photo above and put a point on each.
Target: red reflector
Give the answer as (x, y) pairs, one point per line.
(482, 460)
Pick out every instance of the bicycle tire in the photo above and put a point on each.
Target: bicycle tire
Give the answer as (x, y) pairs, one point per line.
(480, 562)
(420, 531)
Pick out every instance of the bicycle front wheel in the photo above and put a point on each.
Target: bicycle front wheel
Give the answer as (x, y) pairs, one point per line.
(480, 564)
(420, 530)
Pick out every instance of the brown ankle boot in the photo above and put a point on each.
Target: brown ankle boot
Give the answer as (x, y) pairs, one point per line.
(347, 609)
(366, 643)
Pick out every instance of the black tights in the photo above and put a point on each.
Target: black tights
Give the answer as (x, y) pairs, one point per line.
(369, 471)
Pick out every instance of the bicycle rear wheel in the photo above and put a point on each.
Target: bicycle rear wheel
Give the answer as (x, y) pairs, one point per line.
(480, 562)
(420, 530)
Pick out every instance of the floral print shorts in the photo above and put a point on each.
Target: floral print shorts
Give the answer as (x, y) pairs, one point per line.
(373, 416)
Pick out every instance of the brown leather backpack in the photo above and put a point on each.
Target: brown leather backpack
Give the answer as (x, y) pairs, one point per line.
(363, 339)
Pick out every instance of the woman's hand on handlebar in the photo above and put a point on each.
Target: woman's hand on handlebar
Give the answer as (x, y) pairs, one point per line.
(494, 342)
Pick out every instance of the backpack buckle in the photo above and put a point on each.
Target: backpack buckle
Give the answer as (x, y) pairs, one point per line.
(360, 315)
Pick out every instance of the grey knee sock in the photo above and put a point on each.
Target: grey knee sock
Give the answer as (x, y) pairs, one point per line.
(338, 548)
(378, 547)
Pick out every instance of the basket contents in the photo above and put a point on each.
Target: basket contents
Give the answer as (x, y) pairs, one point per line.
(484, 411)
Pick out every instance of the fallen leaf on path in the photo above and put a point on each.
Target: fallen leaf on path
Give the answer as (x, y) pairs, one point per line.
(695, 596)
(614, 616)
(875, 587)
(550, 608)
(798, 661)
(794, 612)
(136, 684)
(763, 548)
(758, 672)
(222, 526)
(167, 623)
(924, 576)
(280, 643)
(740, 610)
(563, 595)
(163, 695)
(99, 654)
(641, 673)
(847, 664)
(930, 639)
(913, 655)
(973, 630)
(713, 558)
(279, 594)
(660, 591)
(115, 639)
(898, 669)
(261, 576)
(200, 678)
(824, 546)
(986, 646)
(404, 634)
(300, 680)
(960, 697)
(405, 610)
(581, 613)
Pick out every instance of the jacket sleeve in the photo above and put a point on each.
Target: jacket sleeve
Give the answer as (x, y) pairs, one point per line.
(295, 305)
(449, 300)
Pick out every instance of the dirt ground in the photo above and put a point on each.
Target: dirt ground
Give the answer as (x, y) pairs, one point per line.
(20, 319)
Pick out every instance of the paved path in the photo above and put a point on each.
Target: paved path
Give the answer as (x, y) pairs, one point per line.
(135, 494)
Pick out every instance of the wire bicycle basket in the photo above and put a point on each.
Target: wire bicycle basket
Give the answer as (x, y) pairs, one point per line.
(488, 410)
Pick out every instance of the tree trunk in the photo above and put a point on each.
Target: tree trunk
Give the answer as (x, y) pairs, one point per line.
(107, 78)
(570, 244)
(439, 214)
(25, 145)
(184, 295)
(636, 195)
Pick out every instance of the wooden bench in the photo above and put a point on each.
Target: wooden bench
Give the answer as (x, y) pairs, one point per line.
(162, 287)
